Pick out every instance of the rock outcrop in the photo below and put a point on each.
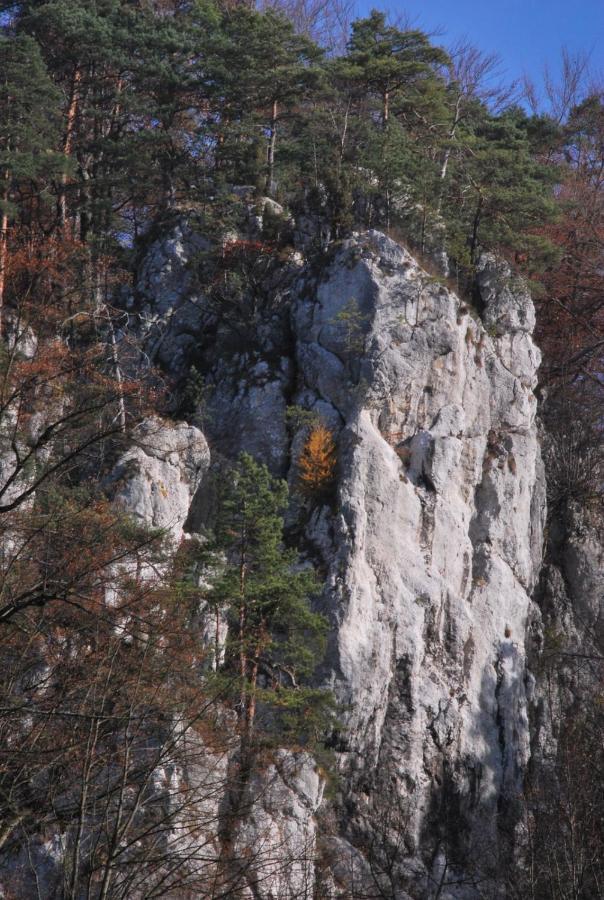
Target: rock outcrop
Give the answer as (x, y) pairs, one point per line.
(443, 618)
(434, 546)
(156, 479)
(566, 638)
(432, 542)
(169, 304)
(279, 828)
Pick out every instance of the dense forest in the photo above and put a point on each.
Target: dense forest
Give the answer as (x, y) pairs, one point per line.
(118, 119)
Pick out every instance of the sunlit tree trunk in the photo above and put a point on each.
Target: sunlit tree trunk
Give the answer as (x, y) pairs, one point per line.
(72, 112)
(3, 243)
(272, 146)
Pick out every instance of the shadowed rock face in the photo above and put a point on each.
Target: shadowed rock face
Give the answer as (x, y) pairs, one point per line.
(571, 618)
(432, 545)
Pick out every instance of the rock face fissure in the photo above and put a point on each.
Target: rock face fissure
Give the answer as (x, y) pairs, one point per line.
(431, 545)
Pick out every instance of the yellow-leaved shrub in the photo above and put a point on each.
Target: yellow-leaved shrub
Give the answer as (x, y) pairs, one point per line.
(317, 461)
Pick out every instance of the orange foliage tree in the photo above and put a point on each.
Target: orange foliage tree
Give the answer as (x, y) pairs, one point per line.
(317, 461)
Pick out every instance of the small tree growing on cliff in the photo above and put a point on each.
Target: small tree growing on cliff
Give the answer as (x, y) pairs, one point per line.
(317, 462)
(275, 639)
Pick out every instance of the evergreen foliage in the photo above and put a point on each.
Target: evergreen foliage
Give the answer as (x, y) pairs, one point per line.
(500, 192)
(163, 108)
(275, 639)
(29, 114)
(114, 118)
(384, 62)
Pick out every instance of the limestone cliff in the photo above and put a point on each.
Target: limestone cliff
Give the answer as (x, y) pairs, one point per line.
(434, 546)
(431, 544)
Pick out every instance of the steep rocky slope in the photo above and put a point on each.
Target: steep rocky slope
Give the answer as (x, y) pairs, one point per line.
(435, 545)
(431, 544)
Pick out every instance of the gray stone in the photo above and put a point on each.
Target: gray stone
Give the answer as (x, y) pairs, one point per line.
(437, 528)
(280, 831)
(156, 479)
(507, 303)
(172, 311)
(432, 549)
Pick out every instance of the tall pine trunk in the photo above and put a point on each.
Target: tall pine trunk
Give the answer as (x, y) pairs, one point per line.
(385, 108)
(475, 227)
(447, 154)
(242, 627)
(250, 706)
(272, 147)
(3, 244)
(68, 140)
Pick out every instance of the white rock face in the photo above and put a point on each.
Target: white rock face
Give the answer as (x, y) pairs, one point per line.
(280, 831)
(436, 542)
(432, 549)
(155, 480)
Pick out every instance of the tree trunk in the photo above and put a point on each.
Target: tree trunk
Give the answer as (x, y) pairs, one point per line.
(445, 165)
(168, 190)
(250, 708)
(475, 227)
(72, 111)
(242, 627)
(3, 245)
(447, 155)
(117, 369)
(272, 145)
(72, 890)
(343, 135)
(387, 209)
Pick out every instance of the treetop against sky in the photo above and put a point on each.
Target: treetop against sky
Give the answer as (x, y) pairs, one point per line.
(527, 34)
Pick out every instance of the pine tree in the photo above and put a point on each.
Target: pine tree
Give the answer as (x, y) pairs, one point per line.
(386, 61)
(500, 191)
(83, 48)
(261, 70)
(28, 132)
(395, 95)
(275, 639)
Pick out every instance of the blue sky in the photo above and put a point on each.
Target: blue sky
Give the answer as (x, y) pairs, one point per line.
(526, 34)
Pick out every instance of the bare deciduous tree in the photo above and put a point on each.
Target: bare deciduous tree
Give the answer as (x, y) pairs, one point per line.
(325, 21)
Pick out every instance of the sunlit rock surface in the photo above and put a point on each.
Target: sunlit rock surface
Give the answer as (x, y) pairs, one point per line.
(431, 544)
